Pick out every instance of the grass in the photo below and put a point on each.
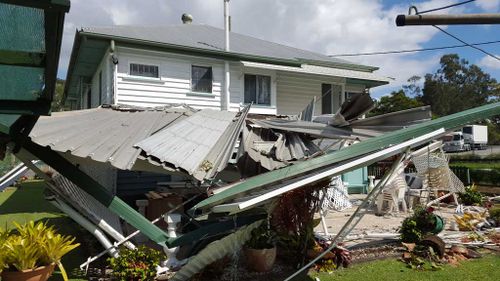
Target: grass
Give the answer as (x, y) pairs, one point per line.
(27, 203)
(482, 269)
(477, 165)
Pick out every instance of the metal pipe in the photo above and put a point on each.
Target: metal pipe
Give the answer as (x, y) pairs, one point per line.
(402, 20)
(227, 75)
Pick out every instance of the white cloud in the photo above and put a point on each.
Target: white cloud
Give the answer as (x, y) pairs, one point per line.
(489, 62)
(490, 6)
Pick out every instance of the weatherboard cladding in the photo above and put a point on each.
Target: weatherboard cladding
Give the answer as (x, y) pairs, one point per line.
(104, 134)
(210, 38)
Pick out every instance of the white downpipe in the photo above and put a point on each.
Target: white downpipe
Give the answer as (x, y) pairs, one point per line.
(227, 75)
(86, 224)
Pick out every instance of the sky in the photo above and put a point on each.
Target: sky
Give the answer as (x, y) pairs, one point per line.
(329, 27)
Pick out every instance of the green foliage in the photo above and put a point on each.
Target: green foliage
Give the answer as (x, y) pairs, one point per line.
(495, 214)
(58, 103)
(418, 225)
(396, 101)
(457, 86)
(263, 237)
(421, 258)
(471, 196)
(138, 264)
(34, 245)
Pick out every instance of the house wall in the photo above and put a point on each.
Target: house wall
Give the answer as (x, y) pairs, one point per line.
(174, 84)
(105, 69)
(290, 92)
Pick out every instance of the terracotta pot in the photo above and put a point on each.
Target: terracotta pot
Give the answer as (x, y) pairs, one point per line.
(38, 274)
(260, 260)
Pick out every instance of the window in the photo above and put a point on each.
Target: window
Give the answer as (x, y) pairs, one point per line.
(201, 79)
(144, 70)
(258, 89)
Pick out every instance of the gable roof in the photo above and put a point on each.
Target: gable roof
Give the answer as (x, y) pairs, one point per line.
(205, 37)
(91, 44)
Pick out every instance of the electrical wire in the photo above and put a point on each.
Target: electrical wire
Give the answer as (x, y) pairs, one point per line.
(412, 50)
(445, 7)
(470, 45)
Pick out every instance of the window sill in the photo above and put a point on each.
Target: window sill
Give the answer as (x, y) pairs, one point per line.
(199, 94)
(259, 106)
(143, 79)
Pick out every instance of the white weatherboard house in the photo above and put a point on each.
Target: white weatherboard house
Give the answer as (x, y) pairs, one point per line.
(184, 64)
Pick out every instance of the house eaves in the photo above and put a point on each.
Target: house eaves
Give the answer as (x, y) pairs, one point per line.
(353, 75)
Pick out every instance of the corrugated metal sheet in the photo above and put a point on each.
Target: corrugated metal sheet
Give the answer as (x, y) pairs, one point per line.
(272, 149)
(104, 134)
(212, 38)
(199, 145)
(322, 70)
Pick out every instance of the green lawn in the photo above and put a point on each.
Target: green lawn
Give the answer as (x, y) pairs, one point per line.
(483, 269)
(27, 203)
(477, 165)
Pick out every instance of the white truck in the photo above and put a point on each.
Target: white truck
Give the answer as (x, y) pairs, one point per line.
(476, 136)
(471, 137)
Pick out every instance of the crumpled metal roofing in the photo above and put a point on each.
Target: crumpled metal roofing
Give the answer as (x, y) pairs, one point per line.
(105, 134)
(199, 145)
(272, 149)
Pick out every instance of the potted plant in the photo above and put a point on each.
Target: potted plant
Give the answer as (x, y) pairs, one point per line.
(32, 251)
(138, 264)
(423, 222)
(260, 250)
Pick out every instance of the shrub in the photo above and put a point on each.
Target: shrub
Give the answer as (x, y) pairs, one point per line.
(495, 215)
(134, 265)
(471, 196)
(418, 225)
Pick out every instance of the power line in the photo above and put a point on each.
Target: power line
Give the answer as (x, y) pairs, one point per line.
(412, 50)
(442, 8)
(470, 45)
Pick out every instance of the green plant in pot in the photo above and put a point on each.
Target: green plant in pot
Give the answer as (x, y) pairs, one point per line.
(260, 250)
(32, 252)
(422, 223)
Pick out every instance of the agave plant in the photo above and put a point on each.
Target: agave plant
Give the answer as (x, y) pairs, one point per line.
(34, 245)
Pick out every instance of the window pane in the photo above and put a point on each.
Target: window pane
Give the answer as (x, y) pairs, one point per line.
(250, 88)
(144, 70)
(263, 90)
(201, 79)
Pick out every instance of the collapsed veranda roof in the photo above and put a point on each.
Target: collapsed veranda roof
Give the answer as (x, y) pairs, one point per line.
(165, 139)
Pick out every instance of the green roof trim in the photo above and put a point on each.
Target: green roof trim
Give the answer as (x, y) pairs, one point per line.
(449, 122)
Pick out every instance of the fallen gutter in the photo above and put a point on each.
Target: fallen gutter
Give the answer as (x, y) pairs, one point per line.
(335, 171)
(365, 147)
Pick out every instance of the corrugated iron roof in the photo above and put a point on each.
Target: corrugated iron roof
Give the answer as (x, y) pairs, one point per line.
(207, 37)
(197, 145)
(105, 134)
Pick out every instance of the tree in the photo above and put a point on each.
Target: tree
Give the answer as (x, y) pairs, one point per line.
(58, 101)
(457, 86)
(396, 101)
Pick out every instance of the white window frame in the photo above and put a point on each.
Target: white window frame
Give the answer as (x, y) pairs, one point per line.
(262, 72)
(192, 63)
(130, 62)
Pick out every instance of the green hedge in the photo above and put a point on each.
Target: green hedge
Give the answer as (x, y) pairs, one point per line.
(478, 176)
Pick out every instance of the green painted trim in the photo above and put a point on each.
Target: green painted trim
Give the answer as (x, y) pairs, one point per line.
(368, 83)
(97, 191)
(58, 5)
(362, 148)
(7, 121)
(179, 49)
(20, 58)
(217, 228)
